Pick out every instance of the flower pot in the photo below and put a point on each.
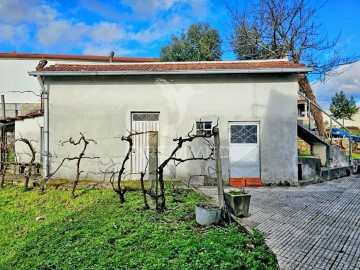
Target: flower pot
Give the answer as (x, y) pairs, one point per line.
(237, 201)
(207, 213)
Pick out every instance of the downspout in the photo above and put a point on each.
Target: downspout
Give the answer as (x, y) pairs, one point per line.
(45, 99)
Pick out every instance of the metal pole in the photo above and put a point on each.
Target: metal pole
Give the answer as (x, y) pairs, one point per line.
(153, 160)
(331, 137)
(350, 148)
(46, 128)
(218, 167)
(3, 142)
(308, 111)
(3, 147)
(3, 106)
(331, 145)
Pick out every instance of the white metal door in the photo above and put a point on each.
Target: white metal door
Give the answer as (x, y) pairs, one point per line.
(244, 156)
(142, 122)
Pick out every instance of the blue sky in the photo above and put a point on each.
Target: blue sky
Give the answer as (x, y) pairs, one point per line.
(127, 27)
(137, 27)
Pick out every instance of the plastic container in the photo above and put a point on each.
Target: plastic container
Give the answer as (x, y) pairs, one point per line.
(207, 213)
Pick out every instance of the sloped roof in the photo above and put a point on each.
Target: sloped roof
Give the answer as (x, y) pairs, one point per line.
(95, 58)
(269, 66)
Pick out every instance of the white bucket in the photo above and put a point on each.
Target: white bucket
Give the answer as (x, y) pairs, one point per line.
(207, 216)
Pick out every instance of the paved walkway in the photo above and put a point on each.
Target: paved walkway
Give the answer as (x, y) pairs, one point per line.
(312, 227)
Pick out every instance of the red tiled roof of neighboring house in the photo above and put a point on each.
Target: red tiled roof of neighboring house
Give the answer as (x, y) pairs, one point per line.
(74, 57)
(276, 65)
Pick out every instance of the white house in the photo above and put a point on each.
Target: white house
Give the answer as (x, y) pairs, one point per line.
(22, 94)
(18, 87)
(255, 103)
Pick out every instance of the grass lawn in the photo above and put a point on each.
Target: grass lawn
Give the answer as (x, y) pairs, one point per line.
(95, 232)
(304, 154)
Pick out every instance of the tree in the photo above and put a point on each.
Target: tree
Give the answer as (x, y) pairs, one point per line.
(199, 43)
(29, 166)
(181, 141)
(78, 159)
(278, 28)
(5, 149)
(117, 186)
(342, 107)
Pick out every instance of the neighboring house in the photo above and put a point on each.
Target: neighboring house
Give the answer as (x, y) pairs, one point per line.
(18, 87)
(20, 109)
(355, 122)
(253, 101)
(22, 93)
(302, 106)
(350, 123)
(30, 127)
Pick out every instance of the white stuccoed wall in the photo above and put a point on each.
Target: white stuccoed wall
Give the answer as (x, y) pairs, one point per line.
(101, 107)
(28, 128)
(14, 77)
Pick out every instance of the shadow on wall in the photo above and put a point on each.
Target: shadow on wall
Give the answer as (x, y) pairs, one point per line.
(278, 140)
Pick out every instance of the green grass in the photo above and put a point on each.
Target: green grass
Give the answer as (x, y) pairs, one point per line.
(95, 232)
(304, 154)
(11, 156)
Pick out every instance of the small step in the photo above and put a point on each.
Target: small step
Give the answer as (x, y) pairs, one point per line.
(328, 174)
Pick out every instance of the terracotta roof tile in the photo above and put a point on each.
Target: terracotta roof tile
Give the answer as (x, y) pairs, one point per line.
(74, 57)
(174, 66)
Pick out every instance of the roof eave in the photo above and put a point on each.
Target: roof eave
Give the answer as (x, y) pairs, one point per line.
(170, 72)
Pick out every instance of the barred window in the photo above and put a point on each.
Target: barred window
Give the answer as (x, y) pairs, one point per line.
(243, 134)
(145, 116)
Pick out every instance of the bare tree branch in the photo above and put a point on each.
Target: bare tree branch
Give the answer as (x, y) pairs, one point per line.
(5, 149)
(172, 157)
(29, 166)
(117, 187)
(78, 162)
(278, 28)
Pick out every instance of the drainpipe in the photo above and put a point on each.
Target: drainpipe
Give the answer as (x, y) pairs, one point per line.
(2, 134)
(3, 107)
(45, 99)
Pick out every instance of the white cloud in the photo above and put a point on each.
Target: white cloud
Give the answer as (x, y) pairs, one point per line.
(52, 26)
(200, 8)
(107, 32)
(33, 11)
(58, 31)
(92, 49)
(102, 8)
(145, 9)
(67, 34)
(346, 79)
(17, 34)
(159, 30)
(149, 8)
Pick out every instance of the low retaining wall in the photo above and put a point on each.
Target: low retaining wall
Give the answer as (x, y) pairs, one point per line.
(333, 173)
(309, 168)
(310, 171)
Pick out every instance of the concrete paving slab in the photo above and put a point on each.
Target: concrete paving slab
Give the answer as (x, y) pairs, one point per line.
(311, 227)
